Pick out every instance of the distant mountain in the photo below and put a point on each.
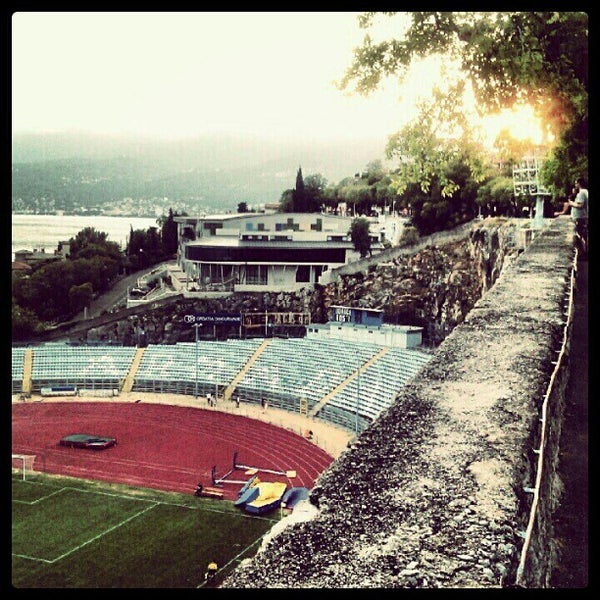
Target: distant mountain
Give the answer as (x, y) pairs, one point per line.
(90, 169)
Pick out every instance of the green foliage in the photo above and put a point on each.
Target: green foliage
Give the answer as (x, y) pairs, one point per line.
(57, 290)
(47, 292)
(535, 58)
(496, 197)
(144, 248)
(24, 322)
(169, 235)
(286, 202)
(86, 237)
(409, 236)
(80, 296)
(307, 197)
(440, 135)
(359, 234)
(242, 207)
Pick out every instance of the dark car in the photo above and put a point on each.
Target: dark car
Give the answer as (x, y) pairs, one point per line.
(90, 442)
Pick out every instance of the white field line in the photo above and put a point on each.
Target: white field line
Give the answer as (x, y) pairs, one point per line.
(42, 498)
(96, 537)
(125, 496)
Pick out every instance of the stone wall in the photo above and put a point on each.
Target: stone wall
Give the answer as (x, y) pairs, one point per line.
(437, 492)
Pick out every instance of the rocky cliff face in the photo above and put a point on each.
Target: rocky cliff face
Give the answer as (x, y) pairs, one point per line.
(434, 286)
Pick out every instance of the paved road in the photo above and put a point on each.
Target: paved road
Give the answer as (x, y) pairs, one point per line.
(116, 295)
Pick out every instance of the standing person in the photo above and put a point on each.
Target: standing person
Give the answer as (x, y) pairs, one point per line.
(579, 213)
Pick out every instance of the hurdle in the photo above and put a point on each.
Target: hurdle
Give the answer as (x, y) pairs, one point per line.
(219, 481)
(254, 470)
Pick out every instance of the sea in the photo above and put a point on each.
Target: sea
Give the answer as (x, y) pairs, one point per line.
(37, 232)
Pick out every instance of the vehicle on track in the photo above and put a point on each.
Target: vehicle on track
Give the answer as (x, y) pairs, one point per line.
(87, 441)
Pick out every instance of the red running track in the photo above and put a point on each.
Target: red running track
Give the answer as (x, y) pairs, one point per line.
(161, 446)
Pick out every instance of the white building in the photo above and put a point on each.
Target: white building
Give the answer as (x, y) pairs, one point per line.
(261, 252)
(365, 325)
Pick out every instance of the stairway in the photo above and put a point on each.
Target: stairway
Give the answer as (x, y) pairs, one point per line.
(319, 405)
(231, 387)
(135, 364)
(27, 371)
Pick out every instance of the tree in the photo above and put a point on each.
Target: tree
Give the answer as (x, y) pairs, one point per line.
(80, 296)
(85, 237)
(439, 135)
(374, 172)
(314, 189)
(496, 197)
(24, 322)
(169, 235)
(242, 207)
(144, 248)
(538, 58)
(359, 234)
(299, 194)
(286, 202)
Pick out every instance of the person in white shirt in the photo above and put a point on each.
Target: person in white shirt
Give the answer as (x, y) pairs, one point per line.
(579, 213)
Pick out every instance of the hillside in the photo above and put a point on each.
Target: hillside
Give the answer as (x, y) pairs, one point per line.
(69, 170)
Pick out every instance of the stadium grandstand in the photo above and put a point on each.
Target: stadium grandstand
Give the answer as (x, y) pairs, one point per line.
(343, 382)
(84, 367)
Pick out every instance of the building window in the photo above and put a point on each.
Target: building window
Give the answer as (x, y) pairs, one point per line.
(256, 274)
(303, 274)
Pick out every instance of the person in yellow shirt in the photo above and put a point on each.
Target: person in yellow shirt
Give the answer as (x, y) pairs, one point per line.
(211, 570)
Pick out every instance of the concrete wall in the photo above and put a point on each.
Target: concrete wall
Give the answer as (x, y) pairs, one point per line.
(439, 491)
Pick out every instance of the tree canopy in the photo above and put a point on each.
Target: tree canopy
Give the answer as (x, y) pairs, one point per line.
(359, 234)
(537, 58)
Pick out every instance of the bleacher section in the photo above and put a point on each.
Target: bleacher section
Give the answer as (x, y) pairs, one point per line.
(343, 382)
(86, 367)
(374, 390)
(294, 369)
(18, 368)
(172, 369)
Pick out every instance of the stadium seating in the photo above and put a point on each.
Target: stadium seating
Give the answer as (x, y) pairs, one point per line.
(346, 383)
(376, 387)
(88, 367)
(18, 359)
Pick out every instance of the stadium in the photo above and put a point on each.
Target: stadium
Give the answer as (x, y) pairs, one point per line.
(432, 476)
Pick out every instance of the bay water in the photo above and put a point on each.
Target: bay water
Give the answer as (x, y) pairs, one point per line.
(37, 232)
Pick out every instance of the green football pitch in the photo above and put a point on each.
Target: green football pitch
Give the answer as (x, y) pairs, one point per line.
(71, 533)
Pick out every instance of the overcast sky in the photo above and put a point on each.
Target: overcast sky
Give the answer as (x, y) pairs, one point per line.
(184, 73)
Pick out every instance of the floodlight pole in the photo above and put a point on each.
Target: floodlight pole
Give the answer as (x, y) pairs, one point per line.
(357, 402)
(197, 325)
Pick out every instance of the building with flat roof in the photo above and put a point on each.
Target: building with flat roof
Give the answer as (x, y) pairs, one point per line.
(359, 324)
(264, 251)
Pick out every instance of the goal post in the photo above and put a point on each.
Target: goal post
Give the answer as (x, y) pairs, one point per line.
(22, 465)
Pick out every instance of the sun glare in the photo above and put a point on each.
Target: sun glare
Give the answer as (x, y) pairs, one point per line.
(520, 122)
